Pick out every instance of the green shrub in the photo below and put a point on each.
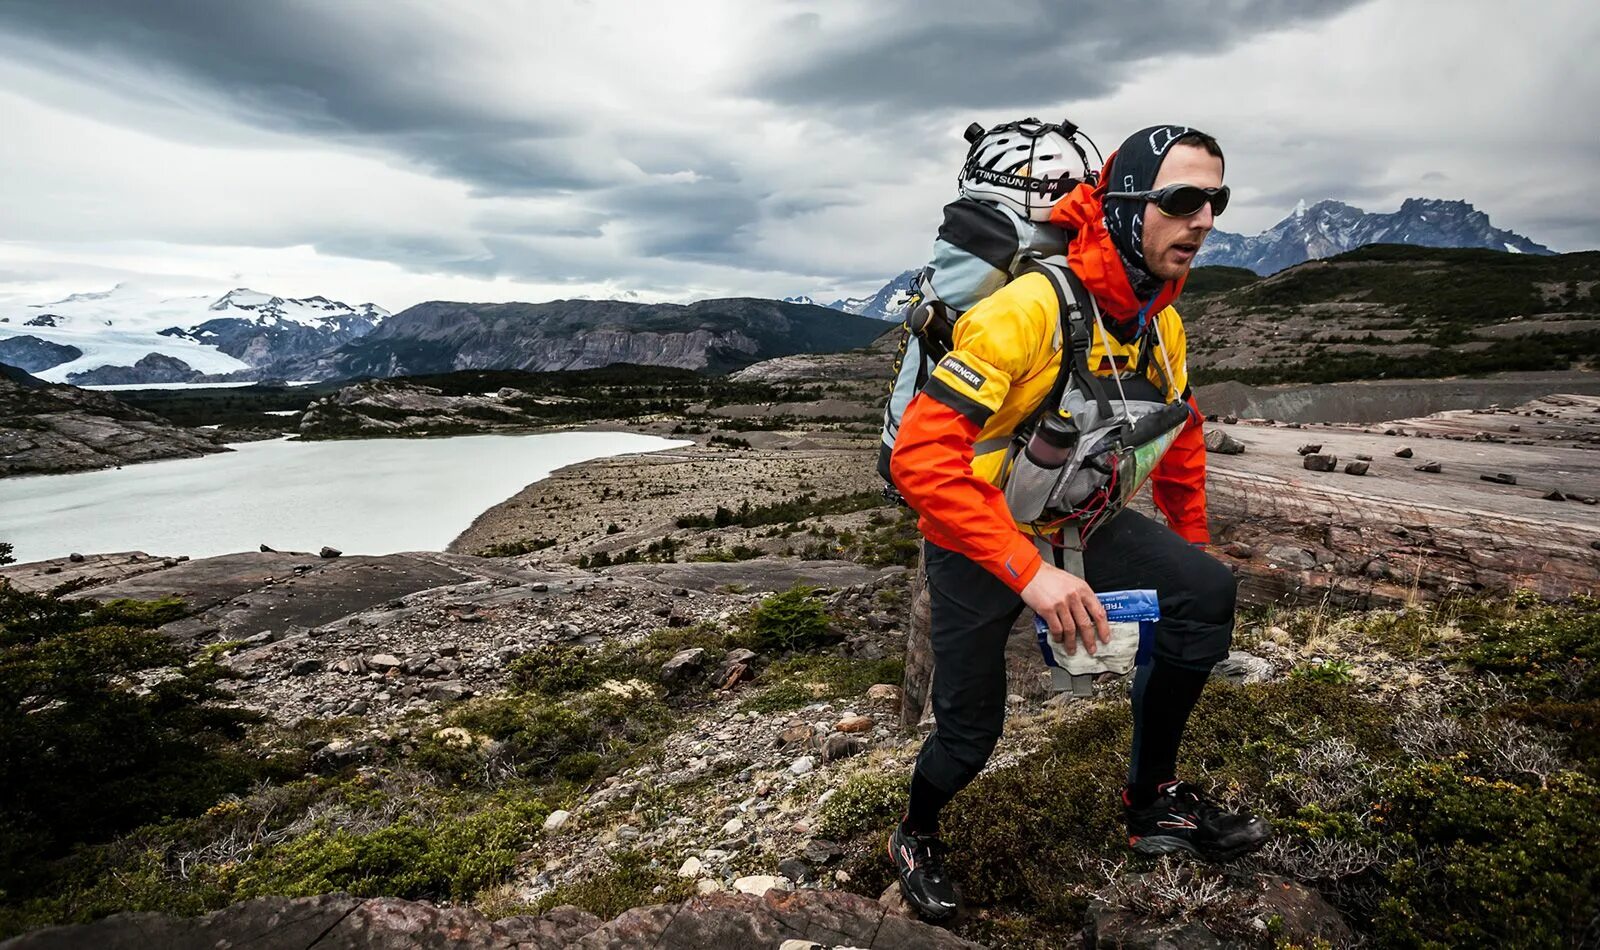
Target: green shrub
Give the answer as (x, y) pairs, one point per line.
(632, 882)
(1328, 671)
(86, 752)
(792, 620)
(867, 801)
(556, 670)
(450, 859)
(1489, 863)
(1547, 651)
(518, 547)
(801, 680)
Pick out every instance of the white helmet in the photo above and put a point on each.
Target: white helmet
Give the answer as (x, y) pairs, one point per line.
(1027, 165)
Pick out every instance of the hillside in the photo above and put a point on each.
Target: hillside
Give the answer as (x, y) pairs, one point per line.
(1395, 311)
(45, 428)
(709, 335)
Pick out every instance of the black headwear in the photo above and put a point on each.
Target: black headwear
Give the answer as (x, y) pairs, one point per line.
(1134, 168)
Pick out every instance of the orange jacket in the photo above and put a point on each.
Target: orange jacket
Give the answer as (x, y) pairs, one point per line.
(946, 458)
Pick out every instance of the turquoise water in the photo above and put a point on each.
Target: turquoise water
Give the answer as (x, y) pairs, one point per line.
(373, 496)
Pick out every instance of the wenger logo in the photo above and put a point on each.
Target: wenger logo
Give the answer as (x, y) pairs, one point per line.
(962, 372)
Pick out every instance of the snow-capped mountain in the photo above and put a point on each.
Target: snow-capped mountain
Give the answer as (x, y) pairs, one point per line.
(1332, 227)
(886, 304)
(112, 331)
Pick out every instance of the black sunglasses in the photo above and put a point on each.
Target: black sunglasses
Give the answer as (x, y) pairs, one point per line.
(1180, 201)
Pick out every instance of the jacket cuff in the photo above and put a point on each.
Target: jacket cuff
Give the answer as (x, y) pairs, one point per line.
(1022, 562)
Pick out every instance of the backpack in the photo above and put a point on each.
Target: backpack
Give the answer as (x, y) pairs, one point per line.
(1110, 450)
(1012, 175)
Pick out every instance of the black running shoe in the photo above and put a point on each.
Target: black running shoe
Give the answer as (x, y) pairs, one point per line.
(1182, 818)
(919, 859)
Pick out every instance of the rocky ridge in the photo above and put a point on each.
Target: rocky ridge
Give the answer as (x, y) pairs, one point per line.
(46, 429)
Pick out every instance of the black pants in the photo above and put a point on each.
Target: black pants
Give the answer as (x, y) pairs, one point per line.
(973, 613)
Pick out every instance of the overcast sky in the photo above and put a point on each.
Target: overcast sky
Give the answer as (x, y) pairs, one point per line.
(405, 150)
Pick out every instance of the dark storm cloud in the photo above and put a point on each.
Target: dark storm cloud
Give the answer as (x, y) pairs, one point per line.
(919, 55)
(318, 69)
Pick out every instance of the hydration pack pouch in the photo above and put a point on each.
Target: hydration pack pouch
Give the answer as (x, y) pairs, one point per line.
(1132, 615)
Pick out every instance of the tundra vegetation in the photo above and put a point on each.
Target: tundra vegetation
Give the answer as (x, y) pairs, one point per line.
(1458, 809)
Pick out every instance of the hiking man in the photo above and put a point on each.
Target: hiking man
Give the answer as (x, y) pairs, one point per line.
(1133, 238)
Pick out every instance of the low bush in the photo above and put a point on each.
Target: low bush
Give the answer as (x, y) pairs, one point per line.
(792, 620)
(104, 726)
(631, 882)
(867, 801)
(801, 680)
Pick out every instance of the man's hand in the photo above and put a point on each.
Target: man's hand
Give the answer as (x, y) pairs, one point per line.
(1068, 607)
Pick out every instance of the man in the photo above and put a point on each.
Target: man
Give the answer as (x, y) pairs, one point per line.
(1134, 237)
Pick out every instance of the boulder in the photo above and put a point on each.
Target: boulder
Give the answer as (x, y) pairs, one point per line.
(328, 552)
(759, 884)
(1309, 449)
(1499, 478)
(557, 819)
(1356, 468)
(1290, 557)
(685, 665)
(1404, 453)
(1315, 462)
(1223, 444)
(840, 746)
(1432, 468)
(855, 724)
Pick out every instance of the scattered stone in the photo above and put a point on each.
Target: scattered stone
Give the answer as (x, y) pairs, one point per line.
(1363, 458)
(328, 552)
(684, 665)
(735, 826)
(449, 691)
(384, 662)
(1433, 468)
(1241, 667)
(884, 694)
(1554, 494)
(1239, 549)
(1287, 556)
(1356, 468)
(267, 550)
(821, 851)
(691, 867)
(1321, 463)
(796, 735)
(759, 884)
(305, 667)
(855, 724)
(795, 870)
(1595, 545)
(802, 765)
(1223, 444)
(556, 819)
(840, 746)
(1404, 453)
(1309, 449)
(736, 674)
(75, 558)
(1230, 420)
(1499, 478)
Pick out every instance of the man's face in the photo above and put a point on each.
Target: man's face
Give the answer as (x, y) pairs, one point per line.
(1170, 244)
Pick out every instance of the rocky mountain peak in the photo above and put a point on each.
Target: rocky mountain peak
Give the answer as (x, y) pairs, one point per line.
(1332, 227)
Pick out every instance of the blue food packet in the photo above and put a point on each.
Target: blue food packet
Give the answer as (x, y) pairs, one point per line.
(1121, 606)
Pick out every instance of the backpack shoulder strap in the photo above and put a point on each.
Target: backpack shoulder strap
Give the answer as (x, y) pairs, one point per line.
(1073, 300)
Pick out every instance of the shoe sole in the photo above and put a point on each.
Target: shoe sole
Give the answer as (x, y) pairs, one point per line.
(1157, 845)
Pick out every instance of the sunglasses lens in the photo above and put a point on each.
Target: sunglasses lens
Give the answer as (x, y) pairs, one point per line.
(1183, 201)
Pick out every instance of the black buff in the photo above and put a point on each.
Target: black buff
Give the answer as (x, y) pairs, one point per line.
(1134, 168)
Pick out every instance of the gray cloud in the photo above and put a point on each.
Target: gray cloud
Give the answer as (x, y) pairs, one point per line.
(806, 150)
(927, 55)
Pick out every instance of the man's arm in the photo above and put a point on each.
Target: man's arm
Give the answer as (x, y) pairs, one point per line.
(1178, 485)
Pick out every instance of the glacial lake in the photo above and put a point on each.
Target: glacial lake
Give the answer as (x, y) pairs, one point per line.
(371, 496)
